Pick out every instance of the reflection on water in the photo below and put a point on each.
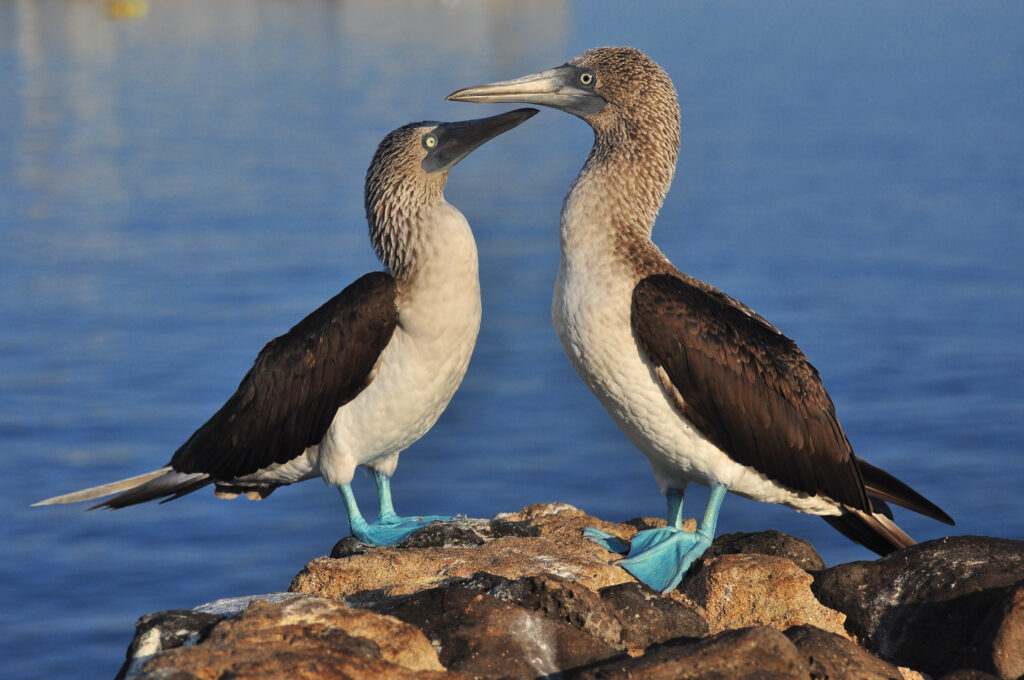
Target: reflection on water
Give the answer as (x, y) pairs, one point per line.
(177, 189)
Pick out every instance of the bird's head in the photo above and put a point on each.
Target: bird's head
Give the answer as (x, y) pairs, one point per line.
(422, 153)
(601, 86)
(410, 168)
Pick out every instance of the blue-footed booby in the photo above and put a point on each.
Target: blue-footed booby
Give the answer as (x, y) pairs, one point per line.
(703, 386)
(370, 371)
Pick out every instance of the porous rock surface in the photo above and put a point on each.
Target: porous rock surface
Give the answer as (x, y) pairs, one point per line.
(525, 596)
(952, 603)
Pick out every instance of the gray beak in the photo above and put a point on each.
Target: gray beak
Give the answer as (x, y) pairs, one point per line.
(455, 141)
(566, 88)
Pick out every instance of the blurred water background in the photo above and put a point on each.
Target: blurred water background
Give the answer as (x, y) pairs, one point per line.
(179, 188)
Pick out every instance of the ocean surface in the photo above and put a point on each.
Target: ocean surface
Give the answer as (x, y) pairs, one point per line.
(179, 188)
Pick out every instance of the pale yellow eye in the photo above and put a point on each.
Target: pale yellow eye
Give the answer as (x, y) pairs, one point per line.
(586, 78)
(430, 141)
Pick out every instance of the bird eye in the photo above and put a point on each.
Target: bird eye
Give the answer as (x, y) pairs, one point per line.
(586, 78)
(430, 141)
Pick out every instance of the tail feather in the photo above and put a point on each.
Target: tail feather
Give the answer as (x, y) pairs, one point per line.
(104, 489)
(139, 489)
(882, 485)
(171, 483)
(875, 531)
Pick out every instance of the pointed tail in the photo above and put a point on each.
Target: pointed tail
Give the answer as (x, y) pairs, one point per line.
(139, 489)
(876, 530)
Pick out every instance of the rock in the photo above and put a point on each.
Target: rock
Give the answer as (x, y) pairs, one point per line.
(648, 618)
(828, 655)
(1000, 638)
(937, 606)
(967, 674)
(464, 533)
(160, 631)
(769, 542)
(556, 598)
(485, 637)
(737, 591)
(524, 595)
(304, 638)
(557, 547)
(348, 546)
(759, 652)
(229, 606)
(626, 616)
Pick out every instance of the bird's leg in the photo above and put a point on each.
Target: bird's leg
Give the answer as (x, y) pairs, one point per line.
(360, 529)
(675, 521)
(661, 557)
(674, 497)
(388, 528)
(387, 510)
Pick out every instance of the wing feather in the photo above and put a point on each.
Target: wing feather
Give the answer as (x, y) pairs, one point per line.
(747, 387)
(299, 380)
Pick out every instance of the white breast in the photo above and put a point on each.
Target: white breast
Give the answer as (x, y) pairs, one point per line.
(420, 369)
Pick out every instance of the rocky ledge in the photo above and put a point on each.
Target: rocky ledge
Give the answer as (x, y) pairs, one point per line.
(524, 596)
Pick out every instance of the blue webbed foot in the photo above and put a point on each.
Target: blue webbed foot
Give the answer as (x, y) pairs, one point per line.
(392, 529)
(660, 558)
(605, 540)
(389, 528)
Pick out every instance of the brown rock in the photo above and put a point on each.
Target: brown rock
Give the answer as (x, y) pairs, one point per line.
(831, 656)
(159, 631)
(563, 522)
(748, 653)
(968, 674)
(558, 599)
(558, 548)
(625, 616)
(737, 591)
(648, 618)
(930, 606)
(304, 638)
(769, 542)
(1000, 638)
(484, 637)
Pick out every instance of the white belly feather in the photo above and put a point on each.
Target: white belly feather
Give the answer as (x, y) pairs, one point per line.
(423, 365)
(418, 372)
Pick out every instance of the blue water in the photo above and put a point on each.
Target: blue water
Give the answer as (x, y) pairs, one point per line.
(178, 189)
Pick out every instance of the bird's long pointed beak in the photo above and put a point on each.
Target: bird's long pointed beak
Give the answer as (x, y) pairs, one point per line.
(457, 140)
(558, 88)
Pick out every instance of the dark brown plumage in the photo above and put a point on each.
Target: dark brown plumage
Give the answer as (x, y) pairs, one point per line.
(299, 381)
(289, 397)
(747, 387)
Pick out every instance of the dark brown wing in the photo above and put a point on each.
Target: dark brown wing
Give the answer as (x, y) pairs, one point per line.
(747, 387)
(289, 397)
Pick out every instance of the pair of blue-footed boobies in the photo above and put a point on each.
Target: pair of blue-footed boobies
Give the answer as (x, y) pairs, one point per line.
(706, 388)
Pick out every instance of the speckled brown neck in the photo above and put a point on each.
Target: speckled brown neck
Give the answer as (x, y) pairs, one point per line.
(630, 168)
(397, 191)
